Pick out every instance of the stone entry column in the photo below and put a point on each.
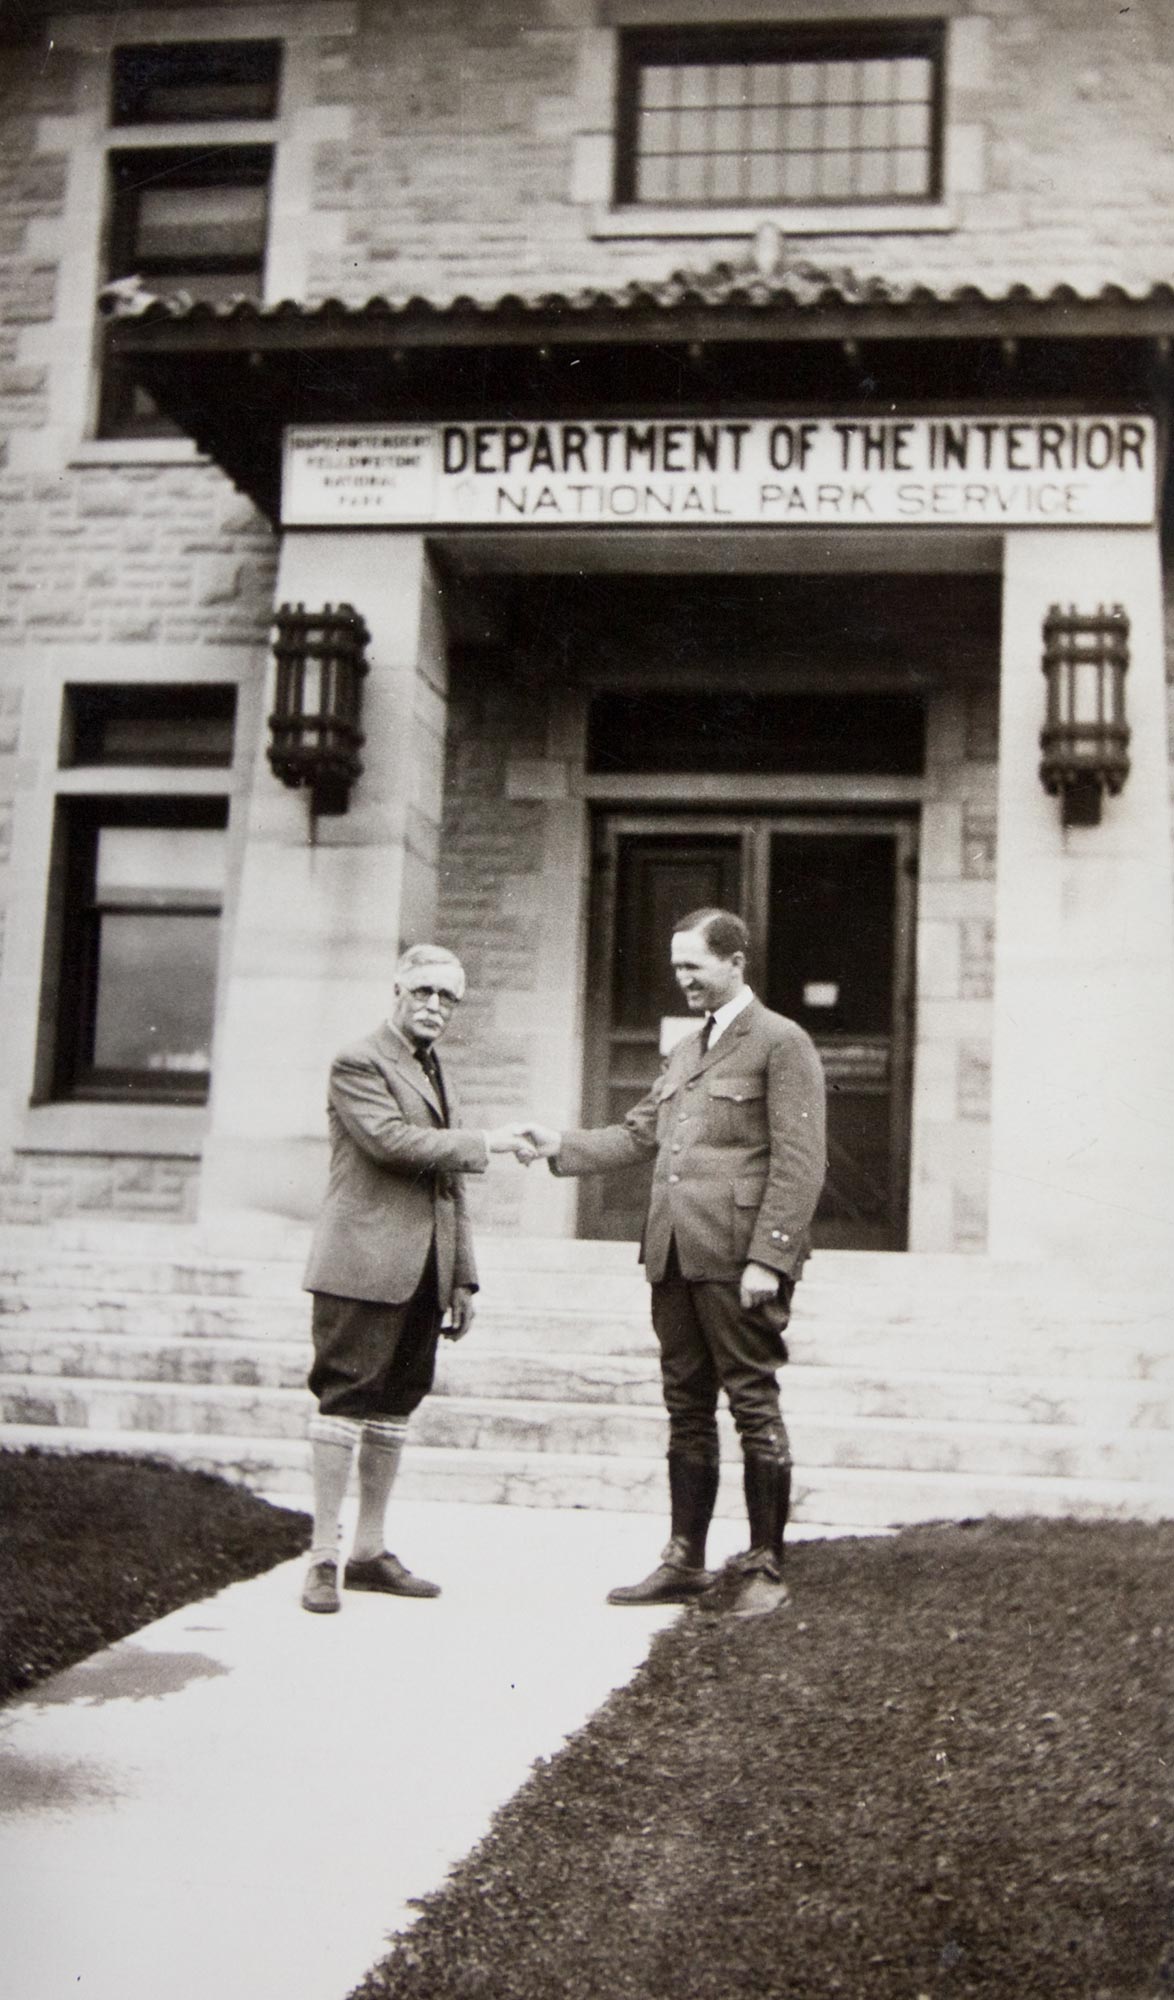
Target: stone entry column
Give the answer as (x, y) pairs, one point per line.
(1083, 1084)
(312, 942)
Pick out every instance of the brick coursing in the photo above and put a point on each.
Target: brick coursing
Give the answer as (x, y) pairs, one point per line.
(491, 855)
(157, 555)
(46, 1187)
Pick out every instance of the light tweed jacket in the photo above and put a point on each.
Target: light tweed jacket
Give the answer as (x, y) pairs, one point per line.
(395, 1179)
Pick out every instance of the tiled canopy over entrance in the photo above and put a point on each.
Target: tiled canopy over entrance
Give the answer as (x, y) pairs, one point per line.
(869, 345)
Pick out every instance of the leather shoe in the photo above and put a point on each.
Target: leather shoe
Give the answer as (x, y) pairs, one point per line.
(387, 1573)
(748, 1586)
(757, 1594)
(320, 1590)
(670, 1583)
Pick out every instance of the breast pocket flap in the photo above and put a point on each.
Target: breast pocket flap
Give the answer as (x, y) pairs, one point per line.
(737, 1089)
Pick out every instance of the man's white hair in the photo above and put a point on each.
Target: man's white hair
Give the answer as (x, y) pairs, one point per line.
(418, 955)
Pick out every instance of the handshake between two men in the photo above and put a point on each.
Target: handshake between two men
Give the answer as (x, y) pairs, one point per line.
(527, 1143)
(735, 1125)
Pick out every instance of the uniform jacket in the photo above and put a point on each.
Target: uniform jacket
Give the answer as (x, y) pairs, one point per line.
(739, 1137)
(395, 1179)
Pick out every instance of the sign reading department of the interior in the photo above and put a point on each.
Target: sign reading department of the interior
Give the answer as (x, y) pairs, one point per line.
(1019, 471)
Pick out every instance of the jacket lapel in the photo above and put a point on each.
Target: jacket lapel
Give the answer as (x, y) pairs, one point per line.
(397, 1052)
(725, 1044)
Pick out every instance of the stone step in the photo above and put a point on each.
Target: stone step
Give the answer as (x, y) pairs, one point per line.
(249, 1241)
(1141, 1350)
(525, 1428)
(920, 1386)
(155, 1277)
(548, 1274)
(476, 1370)
(838, 1497)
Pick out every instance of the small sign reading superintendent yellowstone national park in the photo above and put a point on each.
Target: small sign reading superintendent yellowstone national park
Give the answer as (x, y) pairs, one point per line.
(967, 471)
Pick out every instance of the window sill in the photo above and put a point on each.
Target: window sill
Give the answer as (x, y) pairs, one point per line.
(860, 219)
(174, 1130)
(138, 451)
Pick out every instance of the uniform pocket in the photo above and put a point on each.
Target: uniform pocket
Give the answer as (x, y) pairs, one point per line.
(737, 1088)
(737, 1109)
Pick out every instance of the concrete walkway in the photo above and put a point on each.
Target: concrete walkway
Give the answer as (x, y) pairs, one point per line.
(240, 1801)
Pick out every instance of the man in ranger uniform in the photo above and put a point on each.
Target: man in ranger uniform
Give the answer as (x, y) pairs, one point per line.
(737, 1123)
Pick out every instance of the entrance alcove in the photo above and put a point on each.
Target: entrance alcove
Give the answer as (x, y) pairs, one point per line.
(815, 747)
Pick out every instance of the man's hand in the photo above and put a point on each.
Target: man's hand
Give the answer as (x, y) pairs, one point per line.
(511, 1139)
(461, 1313)
(759, 1282)
(543, 1139)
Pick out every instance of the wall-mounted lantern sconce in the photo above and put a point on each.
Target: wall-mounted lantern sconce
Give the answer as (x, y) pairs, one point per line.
(1085, 739)
(314, 727)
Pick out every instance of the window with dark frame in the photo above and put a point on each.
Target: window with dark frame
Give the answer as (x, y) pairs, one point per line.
(127, 723)
(143, 888)
(185, 219)
(192, 222)
(756, 116)
(177, 83)
(133, 939)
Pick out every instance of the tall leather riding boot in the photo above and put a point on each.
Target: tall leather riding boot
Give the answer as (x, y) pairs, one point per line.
(681, 1574)
(767, 1486)
(693, 1484)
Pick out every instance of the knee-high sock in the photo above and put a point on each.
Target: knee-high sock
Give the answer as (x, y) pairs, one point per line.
(379, 1456)
(332, 1446)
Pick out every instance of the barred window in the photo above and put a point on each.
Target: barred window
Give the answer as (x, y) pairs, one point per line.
(769, 116)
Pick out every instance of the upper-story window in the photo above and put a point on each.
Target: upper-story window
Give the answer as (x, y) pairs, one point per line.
(765, 116)
(186, 218)
(179, 83)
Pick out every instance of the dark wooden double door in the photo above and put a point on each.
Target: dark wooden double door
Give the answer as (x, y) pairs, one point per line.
(829, 902)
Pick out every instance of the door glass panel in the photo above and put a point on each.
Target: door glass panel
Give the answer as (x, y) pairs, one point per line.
(830, 965)
(830, 948)
(658, 879)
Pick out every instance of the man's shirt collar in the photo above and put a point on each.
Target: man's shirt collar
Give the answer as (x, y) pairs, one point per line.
(722, 1016)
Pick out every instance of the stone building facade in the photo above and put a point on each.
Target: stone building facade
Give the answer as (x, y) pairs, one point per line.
(462, 162)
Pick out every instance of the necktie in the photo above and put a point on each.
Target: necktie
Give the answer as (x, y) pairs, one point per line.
(431, 1069)
(706, 1032)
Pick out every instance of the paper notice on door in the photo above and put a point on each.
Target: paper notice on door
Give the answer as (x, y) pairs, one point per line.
(821, 993)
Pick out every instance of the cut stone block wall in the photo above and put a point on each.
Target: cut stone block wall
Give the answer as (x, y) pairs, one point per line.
(955, 969)
(492, 850)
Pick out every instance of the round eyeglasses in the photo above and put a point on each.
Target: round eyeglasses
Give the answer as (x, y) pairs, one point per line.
(441, 994)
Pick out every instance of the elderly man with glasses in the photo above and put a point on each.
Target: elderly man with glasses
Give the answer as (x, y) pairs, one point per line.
(391, 1265)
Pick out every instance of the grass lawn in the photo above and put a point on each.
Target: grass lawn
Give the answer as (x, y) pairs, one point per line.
(95, 1546)
(945, 1771)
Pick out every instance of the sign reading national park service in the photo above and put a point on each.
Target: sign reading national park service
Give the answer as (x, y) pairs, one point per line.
(965, 471)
